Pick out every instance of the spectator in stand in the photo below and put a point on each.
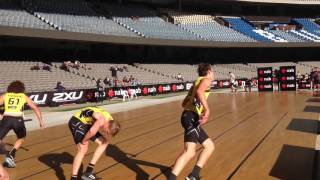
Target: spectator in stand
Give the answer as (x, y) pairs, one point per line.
(125, 68)
(100, 89)
(119, 69)
(131, 79)
(299, 76)
(112, 83)
(116, 82)
(76, 64)
(46, 67)
(114, 71)
(65, 66)
(107, 81)
(35, 67)
(124, 80)
(180, 77)
(59, 87)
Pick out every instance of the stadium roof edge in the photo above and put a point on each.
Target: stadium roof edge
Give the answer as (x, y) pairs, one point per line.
(15, 32)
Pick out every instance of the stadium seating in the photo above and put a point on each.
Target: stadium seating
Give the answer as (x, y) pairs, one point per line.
(308, 25)
(144, 22)
(206, 27)
(39, 80)
(258, 34)
(13, 15)
(132, 20)
(288, 36)
(74, 16)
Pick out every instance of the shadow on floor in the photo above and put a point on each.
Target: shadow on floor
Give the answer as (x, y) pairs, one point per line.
(56, 160)
(294, 163)
(314, 109)
(304, 125)
(315, 100)
(133, 164)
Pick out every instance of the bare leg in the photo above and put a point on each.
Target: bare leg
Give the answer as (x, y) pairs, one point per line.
(82, 150)
(208, 148)
(188, 153)
(102, 145)
(18, 143)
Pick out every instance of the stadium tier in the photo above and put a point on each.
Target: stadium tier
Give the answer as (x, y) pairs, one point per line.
(44, 77)
(147, 22)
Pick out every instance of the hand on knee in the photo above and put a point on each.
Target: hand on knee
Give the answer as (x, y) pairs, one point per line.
(102, 142)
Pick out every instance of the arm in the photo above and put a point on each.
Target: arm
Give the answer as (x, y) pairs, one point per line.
(1, 100)
(203, 86)
(95, 127)
(36, 111)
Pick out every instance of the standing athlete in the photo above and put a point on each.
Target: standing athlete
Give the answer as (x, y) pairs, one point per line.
(93, 124)
(14, 101)
(233, 86)
(196, 113)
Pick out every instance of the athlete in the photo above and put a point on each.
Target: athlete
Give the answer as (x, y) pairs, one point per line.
(14, 101)
(233, 85)
(316, 81)
(93, 124)
(196, 113)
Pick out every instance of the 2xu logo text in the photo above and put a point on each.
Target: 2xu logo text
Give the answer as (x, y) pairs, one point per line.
(67, 96)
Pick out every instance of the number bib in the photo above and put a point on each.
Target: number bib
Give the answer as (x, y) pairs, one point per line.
(14, 104)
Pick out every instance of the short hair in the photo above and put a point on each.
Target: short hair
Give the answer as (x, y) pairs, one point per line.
(114, 127)
(203, 69)
(16, 87)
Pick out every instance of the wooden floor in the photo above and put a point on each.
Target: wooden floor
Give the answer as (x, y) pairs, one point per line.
(257, 136)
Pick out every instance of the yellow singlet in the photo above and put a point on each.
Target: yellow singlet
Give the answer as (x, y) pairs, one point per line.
(192, 101)
(85, 115)
(14, 104)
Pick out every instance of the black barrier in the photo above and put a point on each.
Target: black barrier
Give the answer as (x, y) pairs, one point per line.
(304, 84)
(265, 81)
(288, 78)
(56, 98)
(93, 95)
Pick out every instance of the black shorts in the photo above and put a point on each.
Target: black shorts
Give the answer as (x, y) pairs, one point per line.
(193, 132)
(79, 130)
(12, 123)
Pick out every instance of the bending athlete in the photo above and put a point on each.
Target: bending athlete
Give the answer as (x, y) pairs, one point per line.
(93, 124)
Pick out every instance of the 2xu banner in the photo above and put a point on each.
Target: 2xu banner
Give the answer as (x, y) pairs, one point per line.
(288, 78)
(55, 98)
(265, 80)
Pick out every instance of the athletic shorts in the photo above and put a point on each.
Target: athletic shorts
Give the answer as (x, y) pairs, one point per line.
(12, 123)
(79, 130)
(193, 132)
